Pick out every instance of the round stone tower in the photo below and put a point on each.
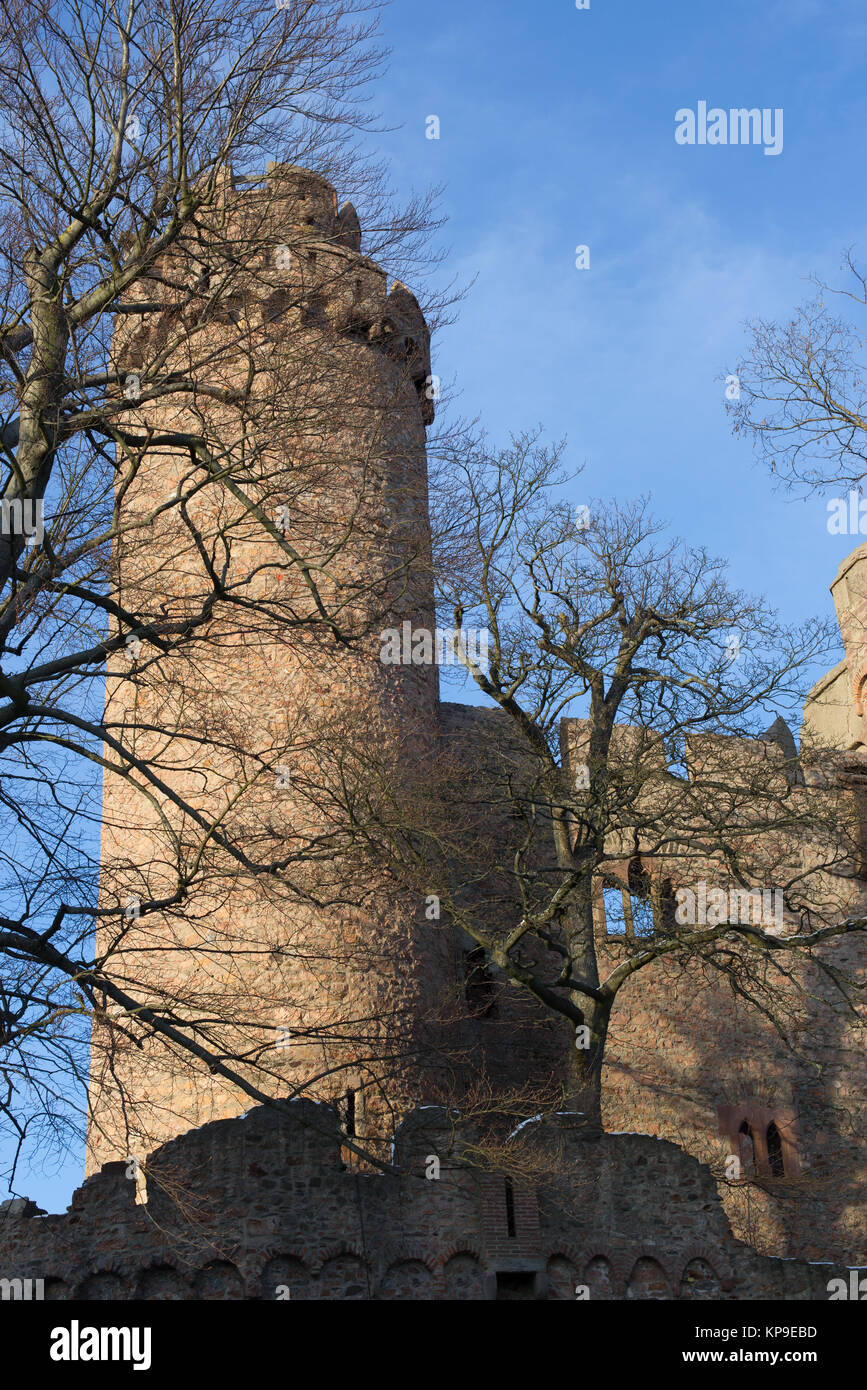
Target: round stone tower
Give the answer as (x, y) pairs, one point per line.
(251, 713)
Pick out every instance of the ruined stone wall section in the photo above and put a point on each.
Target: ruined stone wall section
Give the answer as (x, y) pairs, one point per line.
(260, 1207)
(686, 1058)
(689, 1059)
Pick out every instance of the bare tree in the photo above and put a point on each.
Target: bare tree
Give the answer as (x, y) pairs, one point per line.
(800, 394)
(663, 777)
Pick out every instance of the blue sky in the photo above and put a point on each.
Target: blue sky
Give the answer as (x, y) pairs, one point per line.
(557, 129)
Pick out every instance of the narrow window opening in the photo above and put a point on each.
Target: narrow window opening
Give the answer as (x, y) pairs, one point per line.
(275, 306)
(638, 878)
(640, 898)
(747, 1147)
(511, 1229)
(349, 1113)
(775, 1151)
(642, 916)
(667, 907)
(312, 307)
(615, 912)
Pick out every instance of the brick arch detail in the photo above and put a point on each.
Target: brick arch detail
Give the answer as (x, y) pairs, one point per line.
(621, 1261)
(651, 1253)
(621, 1264)
(127, 1280)
(401, 1254)
(248, 1263)
(264, 1258)
(717, 1260)
(581, 1256)
(566, 1250)
(265, 1253)
(460, 1249)
(222, 1254)
(334, 1252)
(395, 1256)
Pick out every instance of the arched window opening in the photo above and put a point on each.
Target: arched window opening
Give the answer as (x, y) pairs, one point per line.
(628, 909)
(775, 1151)
(614, 909)
(747, 1148)
(754, 1135)
(638, 878)
(640, 898)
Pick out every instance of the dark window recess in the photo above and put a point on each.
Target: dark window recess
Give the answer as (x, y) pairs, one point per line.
(511, 1229)
(640, 892)
(480, 991)
(747, 1148)
(313, 307)
(775, 1152)
(161, 336)
(516, 1284)
(276, 305)
(638, 879)
(349, 1113)
(667, 907)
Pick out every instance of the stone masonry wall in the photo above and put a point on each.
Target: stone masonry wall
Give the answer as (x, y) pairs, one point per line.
(261, 1207)
(339, 992)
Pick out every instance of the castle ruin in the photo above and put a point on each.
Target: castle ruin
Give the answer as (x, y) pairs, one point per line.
(693, 1075)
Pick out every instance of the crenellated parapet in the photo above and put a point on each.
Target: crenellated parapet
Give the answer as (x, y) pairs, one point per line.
(275, 258)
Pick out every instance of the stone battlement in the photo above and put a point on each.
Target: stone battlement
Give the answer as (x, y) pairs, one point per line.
(278, 251)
